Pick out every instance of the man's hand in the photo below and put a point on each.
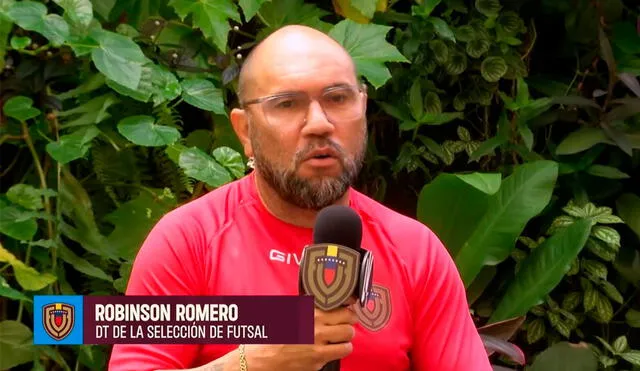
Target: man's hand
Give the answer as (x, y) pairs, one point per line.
(333, 333)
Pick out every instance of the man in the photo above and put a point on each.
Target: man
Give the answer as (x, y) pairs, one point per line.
(302, 122)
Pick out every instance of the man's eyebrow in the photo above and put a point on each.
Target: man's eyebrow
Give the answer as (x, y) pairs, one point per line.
(332, 86)
(337, 85)
(286, 93)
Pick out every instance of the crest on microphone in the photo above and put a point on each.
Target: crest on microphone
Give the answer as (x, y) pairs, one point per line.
(58, 320)
(376, 312)
(330, 273)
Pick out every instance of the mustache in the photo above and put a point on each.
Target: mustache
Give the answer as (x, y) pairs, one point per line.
(302, 154)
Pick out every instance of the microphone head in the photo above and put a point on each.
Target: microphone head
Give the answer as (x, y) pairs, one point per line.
(340, 225)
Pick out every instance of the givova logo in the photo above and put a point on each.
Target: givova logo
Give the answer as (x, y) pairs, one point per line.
(58, 319)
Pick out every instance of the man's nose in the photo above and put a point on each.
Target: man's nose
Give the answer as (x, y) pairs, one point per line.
(317, 122)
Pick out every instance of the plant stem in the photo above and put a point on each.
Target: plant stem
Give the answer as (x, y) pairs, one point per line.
(54, 251)
(12, 164)
(43, 186)
(626, 303)
(240, 32)
(533, 40)
(575, 76)
(43, 181)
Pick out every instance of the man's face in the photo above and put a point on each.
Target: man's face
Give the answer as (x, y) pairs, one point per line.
(283, 149)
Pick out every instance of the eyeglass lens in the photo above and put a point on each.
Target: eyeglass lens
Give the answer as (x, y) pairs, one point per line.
(342, 104)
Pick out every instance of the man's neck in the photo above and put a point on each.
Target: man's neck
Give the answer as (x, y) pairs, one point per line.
(286, 211)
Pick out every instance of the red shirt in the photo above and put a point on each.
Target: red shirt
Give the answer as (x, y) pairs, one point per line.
(227, 243)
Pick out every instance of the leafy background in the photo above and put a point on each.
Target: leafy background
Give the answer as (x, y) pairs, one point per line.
(510, 127)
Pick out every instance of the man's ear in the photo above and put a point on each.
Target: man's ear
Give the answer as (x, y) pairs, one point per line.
(240, 123)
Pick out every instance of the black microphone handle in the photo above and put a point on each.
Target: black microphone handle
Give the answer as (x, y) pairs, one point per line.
(332, 366)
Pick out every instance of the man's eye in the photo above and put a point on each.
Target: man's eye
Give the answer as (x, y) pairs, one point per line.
(338, 98)
(283, 104)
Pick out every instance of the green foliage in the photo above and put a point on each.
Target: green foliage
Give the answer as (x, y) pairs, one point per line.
(512, 128)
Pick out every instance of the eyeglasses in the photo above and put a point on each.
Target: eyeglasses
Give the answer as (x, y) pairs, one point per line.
(339, 104)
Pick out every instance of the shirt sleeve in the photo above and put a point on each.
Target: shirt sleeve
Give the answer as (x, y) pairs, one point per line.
(165, 265)
(445, 337)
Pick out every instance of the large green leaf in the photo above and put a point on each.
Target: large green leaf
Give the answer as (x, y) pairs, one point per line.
(490, 8)
(565, 356)
(16, 223)
(493, 68)
(628, 205)
(230, 159)
(143, 131)
(581, 140)
(72, 146)
(523, 195)
(632, 356)
(442, 29)
(542, 270)
(203, 167)
(366, 7)
(156, 83)
(440, 51)
(82, 265)
(278, 13)
(16, 344)
(11, 293)
(453, 204)
(210, 16)
(457, 63)
(250, 7)
(78, 208)
(80, 12)
(633, 318)
(20, 108)
(20, 42)
(604, 171)
(203, 94)
(476, 48)
(511, 22)
(33, 16)
(28, 278)
(367, 45)
(26, 196)
(465, 33)
(118, 57)
(134, 219)
(94, 111)
(626, 38)
(627, 263)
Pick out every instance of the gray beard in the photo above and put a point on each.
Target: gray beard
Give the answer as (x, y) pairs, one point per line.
(312, 194)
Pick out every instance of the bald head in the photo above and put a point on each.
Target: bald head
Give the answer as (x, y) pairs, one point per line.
(289, 51)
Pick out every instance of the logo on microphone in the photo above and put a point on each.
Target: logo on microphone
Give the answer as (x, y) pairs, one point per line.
(330, 274)
(377, 311)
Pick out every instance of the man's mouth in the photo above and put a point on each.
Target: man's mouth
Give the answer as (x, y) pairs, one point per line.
(322, 154)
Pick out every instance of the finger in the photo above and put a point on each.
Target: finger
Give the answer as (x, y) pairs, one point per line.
(343, 315)
(352, 300)
(332, 352)
(334, 334)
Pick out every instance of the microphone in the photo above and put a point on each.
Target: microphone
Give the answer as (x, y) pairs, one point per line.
(335, 267)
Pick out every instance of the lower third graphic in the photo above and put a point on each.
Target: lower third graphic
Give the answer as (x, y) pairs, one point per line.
(61, 320)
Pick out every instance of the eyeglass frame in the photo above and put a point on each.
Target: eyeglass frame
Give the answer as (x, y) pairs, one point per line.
(360, 87)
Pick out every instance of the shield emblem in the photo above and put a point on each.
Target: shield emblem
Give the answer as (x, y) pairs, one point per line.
(58, 320)
(377, 311)
(330, 274)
